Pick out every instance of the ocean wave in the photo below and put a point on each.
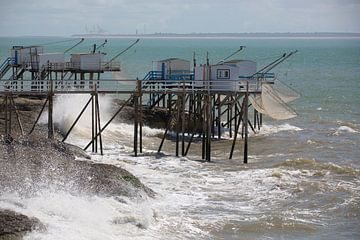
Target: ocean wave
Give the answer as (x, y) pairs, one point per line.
(343, 129)
(312, 164)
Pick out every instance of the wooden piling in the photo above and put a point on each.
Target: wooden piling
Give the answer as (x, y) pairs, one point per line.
(246, 99)
(136, 121)
(93, 123)
(98, 120)
(50, 116)
(177, 125)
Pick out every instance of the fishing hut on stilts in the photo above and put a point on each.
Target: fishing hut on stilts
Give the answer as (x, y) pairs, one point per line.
(202, 101)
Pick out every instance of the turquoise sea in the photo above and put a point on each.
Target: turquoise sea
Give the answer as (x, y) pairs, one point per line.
(303, 176)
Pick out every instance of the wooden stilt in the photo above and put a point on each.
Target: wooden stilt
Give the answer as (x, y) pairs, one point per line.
(93, 123)
(10, 115)
(219, 116)
(50, 114)
(6, 120)
(177, 125)
(167, 124)
(136, 121)
(98, 120)
(140, 124)
(246, 99)
(109, 121)
(183, 102)
(209, 129)
(255, 118)
(237, 125)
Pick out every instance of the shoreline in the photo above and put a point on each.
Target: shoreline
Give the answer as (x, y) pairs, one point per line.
(54, 166)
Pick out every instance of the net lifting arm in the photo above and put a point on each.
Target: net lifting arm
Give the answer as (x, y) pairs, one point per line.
(237, 51)
(118, 55)
(103, 44)
(270, 64)
(81, 40)
(286, 57)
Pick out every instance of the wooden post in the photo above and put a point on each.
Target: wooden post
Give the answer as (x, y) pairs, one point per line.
(50, 110)
(98, 120)
(177, 125)
(183, 103)
(209, 128)
(230, 111)
(255, 113)
(92, 123)
(183, 125)
(245, 122)
(237, 125)
(109, 121)
(140, 116)
(136, 120)
(203, 114)
(10, 115)
(167, 124)
(50, 116)
(6, 116)
(219, 117)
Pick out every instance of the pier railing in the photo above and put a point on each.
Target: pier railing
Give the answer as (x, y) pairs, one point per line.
(128, 86)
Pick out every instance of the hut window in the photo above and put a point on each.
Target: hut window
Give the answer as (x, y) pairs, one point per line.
(223, 73)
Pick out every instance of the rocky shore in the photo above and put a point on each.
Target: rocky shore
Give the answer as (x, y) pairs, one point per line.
(32, 163)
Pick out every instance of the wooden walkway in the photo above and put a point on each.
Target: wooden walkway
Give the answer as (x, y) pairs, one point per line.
(209, 106)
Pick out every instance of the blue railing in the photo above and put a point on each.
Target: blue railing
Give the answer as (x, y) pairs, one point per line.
(159, 75)
(153, 75)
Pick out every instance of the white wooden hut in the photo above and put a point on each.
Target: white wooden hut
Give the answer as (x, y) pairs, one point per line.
(41, 60)
(226, 76)
(23, 55)
(86, 61)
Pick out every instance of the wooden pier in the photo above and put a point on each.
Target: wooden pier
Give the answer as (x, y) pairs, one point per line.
(199, 104)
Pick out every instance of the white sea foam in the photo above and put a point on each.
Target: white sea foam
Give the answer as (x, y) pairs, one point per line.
(83, 217)
(68, 106)
(271, 129)
(192, 199)
(343, 129)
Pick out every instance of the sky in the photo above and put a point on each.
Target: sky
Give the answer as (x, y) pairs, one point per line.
(67, 17)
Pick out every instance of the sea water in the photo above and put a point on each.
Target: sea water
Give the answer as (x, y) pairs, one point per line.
(303, 176)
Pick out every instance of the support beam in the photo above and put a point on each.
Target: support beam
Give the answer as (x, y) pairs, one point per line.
(108, 122)
(17, 115)
(77, 119)
(237, 125)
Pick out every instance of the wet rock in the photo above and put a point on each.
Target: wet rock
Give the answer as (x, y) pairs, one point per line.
(28, 165)
(13, 226)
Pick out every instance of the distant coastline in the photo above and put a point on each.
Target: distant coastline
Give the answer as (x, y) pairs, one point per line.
(315, 35)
